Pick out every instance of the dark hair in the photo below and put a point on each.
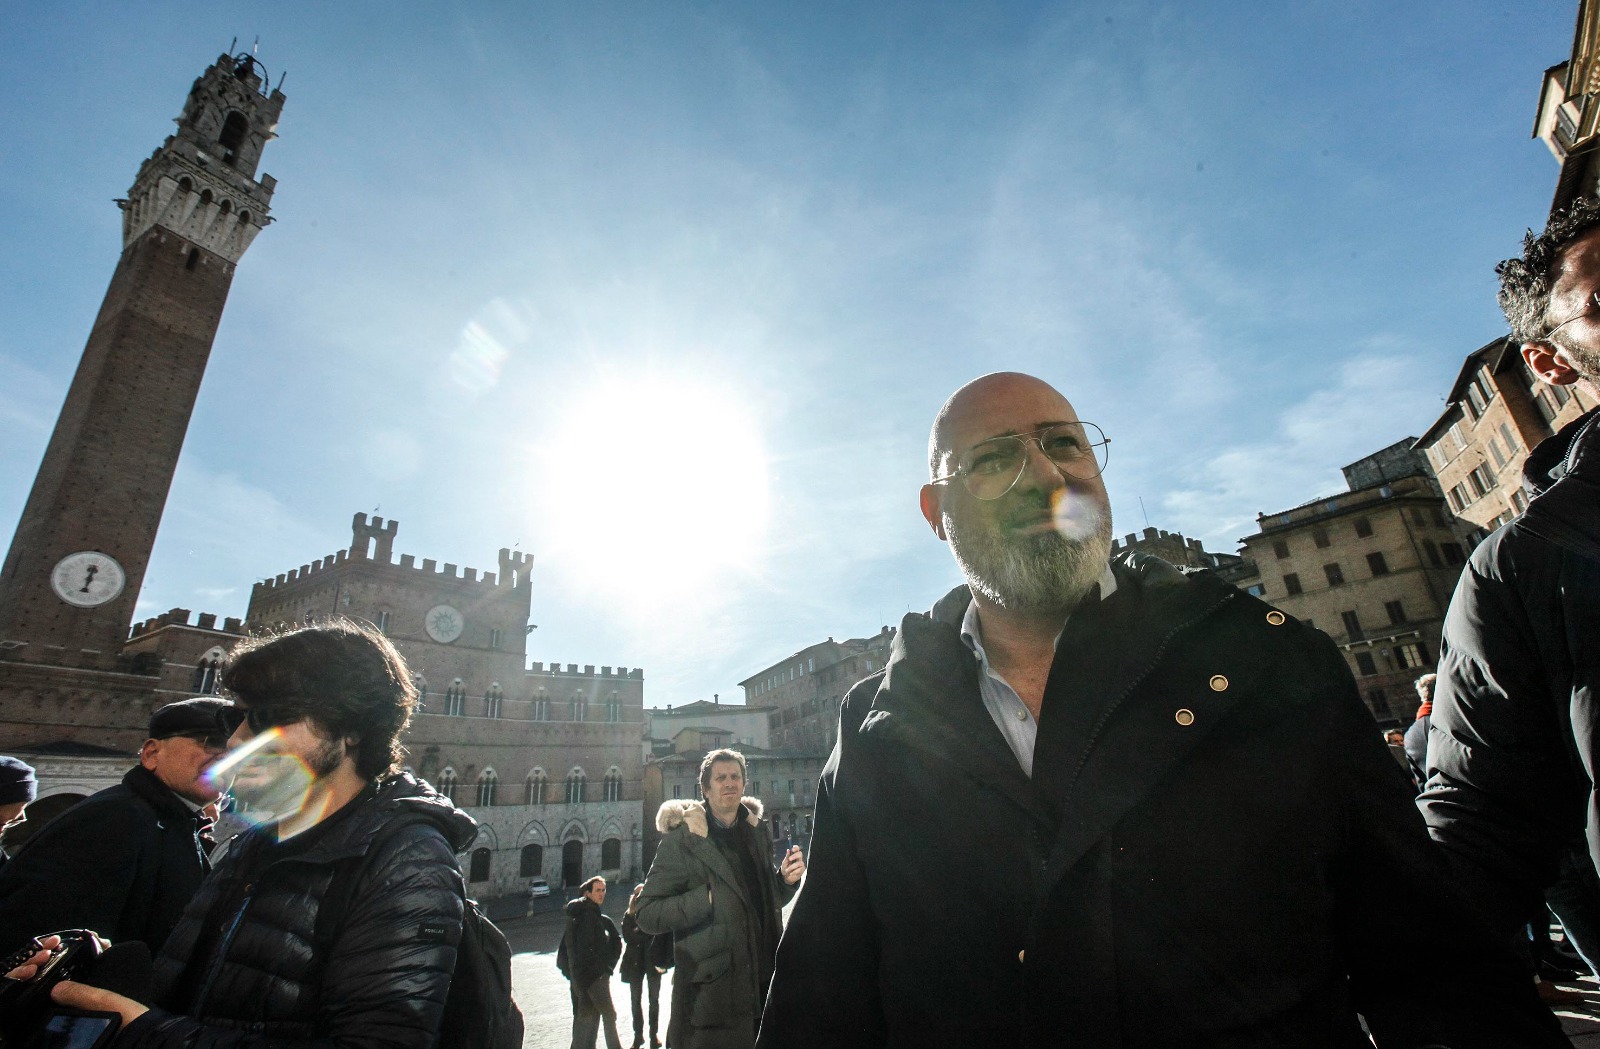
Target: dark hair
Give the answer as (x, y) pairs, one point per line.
(721, 755)
(346, 676)
(1525, 282)
(586, 886)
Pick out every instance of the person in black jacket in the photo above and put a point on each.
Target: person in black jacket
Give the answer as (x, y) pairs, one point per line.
(645, 959)
(1515, 749)
(589, 950)
(254, 963)
(1103, 805)
(126, 860)
(18, 787)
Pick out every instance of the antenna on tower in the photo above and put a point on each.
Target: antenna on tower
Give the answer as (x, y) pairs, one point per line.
(1142, 513)
(256, 46)
(233, 45)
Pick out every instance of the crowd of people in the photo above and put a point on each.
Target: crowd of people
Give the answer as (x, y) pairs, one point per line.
(1090, 800)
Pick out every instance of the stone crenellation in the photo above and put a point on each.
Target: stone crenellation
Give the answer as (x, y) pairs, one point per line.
(372, 540)
(536, 669)
(180, 617)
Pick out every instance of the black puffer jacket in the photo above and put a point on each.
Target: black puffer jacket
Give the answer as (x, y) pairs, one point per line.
(124, 862)
(1513, 751)
(384, 981)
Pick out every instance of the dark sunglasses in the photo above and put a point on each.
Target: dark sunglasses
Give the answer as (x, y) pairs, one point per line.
(258, 718)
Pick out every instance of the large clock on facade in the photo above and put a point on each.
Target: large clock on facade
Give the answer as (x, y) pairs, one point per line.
(443, 623)
(87, 578)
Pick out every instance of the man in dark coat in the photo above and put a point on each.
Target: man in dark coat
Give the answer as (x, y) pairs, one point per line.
(1111, 805)
(645, 959)
(713, 888)
(1514, 746)
(257, 960)
(18, 787)
(589, 950)
(128, 859)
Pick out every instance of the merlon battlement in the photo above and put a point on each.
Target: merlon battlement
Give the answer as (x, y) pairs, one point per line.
(180, 617)
(538, 670)
(372, 541)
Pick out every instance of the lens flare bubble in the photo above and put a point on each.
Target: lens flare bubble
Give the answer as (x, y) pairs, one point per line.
(266, 782)
(1075, 517)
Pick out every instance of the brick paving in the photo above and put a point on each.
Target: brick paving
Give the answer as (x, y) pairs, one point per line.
(541, 990)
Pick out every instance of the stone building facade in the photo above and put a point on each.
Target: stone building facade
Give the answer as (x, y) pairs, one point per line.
(1373, 568)
(1498, 411)
(1173, 548)
(545, 757)
(747, 726)
(803, 691)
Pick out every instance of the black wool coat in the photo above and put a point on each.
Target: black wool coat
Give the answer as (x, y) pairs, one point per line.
(123, 862)
(590, 946)
(1514, 743)
(383, 980)
(1210, 853)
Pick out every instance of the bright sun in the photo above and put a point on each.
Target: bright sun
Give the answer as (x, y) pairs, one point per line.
(655, 486)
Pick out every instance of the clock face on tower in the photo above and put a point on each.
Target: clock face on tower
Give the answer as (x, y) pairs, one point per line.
(87, 578)
(443, 623)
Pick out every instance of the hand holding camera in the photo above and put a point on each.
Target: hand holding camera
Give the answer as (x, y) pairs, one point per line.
(41, 1002)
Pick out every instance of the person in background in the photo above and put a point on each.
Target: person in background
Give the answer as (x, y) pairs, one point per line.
(589, 950)
(1416, 740)
(645, 959)
(18, 788)
(126, 860)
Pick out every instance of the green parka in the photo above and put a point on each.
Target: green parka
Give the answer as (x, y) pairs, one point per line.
(723, 945)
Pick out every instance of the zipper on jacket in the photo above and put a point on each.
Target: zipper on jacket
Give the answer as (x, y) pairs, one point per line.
(221, 952)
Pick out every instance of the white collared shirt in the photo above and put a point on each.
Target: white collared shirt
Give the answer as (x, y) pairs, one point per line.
(1011, 716)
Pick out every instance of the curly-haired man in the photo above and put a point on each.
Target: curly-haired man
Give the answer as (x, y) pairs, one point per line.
(1512, 755)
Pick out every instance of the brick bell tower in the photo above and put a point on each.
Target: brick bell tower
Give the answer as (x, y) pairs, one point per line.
(75, 566)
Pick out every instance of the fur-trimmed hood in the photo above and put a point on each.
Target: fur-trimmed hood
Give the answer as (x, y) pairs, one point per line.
(679, 812)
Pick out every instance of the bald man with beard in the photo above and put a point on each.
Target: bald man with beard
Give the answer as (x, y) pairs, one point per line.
(1096, 802)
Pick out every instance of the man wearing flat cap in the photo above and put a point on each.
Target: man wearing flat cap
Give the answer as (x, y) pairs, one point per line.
(127, 860)
(18, 788)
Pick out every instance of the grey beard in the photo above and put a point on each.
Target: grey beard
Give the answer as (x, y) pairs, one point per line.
(1045, 573)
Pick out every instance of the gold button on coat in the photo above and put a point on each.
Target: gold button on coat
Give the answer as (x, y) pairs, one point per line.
(1184, 717)
(1219, 683)
(1276, 618)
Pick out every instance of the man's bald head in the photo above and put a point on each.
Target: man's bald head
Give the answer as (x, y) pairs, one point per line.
(975, 399)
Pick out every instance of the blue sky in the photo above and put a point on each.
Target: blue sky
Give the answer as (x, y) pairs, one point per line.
(667, 293)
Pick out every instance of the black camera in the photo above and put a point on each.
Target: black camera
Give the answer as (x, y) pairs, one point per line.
(29, 1019)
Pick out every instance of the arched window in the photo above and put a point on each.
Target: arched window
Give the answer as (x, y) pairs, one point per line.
(613, 708)
(205, 196)
(611, 854)
(580, 707)
(447, 783)
(455, 699)
(491, 701)
(184, 185)
(206, 672)
(575, 783)
(536, 786)
(480, 865)
(225, 208)
(244, 220)
(614, 784)
(532, 861)
(233, 131)
(487, 781)
(541, 706)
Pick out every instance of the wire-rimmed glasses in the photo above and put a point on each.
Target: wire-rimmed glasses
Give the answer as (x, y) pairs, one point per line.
(1589, 306)
(990, 468)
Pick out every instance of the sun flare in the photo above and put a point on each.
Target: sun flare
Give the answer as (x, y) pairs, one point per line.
(656, 486)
